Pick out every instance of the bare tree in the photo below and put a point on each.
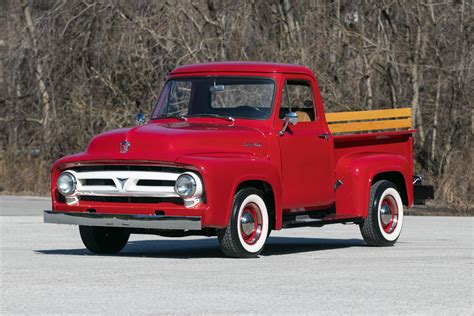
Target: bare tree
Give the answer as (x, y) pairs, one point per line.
(72, 69)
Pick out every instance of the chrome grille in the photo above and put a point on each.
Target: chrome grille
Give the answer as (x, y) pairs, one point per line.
(125, 183)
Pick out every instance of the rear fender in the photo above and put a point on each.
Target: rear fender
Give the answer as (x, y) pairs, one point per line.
(222, 174)
(357, 172)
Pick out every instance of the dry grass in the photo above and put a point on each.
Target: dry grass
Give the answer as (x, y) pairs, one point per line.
(28, 176)
(433, 209)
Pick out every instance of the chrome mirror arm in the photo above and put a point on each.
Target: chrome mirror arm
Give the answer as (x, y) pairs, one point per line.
(283, 130)
(290, 118)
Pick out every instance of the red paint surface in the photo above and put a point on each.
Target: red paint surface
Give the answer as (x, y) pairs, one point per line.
(299, 166)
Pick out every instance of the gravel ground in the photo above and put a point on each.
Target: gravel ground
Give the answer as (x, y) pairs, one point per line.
(328, 270)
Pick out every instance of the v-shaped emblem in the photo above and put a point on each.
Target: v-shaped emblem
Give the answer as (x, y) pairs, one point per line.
(122, 182)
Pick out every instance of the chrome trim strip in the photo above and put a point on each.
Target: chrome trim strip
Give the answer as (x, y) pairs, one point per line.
(124, 220)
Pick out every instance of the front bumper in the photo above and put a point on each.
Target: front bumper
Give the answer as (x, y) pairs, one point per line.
(124, 220)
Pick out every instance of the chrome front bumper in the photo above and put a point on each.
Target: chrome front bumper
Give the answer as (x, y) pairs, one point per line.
(124, 220)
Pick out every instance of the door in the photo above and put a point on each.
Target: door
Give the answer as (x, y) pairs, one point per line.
(305, 149)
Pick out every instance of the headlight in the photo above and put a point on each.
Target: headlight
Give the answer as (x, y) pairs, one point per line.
(66, 183)
(185, 186)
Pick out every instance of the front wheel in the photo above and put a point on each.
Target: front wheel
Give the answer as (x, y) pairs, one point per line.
(248, 228)
(384, 220)
(104, 240)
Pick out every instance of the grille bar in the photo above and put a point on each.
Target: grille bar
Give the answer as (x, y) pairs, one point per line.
(132, 199)
(155, 183)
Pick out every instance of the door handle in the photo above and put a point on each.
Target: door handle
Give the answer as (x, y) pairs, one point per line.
(324, 135)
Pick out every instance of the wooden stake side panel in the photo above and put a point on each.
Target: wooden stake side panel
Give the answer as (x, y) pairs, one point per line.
(358, 121)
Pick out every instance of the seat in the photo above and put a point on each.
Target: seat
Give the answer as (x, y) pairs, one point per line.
(303, 116)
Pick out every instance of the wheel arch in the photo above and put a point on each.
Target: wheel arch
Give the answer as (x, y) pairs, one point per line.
(397, 179)
(268, 196)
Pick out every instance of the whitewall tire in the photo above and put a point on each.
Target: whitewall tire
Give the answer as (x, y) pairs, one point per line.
(384, 221)
(247, 231)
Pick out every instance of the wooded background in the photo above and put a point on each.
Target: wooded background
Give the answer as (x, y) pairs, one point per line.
(72, 69)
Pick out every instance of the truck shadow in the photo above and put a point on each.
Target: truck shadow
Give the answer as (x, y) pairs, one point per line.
(289, 245)
(209, 248)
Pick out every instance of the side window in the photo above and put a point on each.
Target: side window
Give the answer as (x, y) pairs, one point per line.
(297, 97)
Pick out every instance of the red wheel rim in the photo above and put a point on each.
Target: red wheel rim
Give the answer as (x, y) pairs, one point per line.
(251, 223)
(388, 213)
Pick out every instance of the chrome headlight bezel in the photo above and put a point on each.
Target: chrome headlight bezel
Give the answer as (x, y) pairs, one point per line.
(70, 180)
(185, 185)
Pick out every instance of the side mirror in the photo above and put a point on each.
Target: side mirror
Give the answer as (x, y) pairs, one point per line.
(140, 119)
(290, 118)
(217, 88)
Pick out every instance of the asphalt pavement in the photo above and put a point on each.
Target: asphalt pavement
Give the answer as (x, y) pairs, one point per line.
(328, 270)
(23, 205)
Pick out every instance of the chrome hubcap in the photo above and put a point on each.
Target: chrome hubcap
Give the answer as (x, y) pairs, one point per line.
(385, 214)
(389, 214)
(251, 223)
(248, 223)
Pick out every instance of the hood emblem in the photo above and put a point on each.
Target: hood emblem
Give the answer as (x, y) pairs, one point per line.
(124, 147)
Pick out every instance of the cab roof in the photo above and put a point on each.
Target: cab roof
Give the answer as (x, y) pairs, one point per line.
(233, 66)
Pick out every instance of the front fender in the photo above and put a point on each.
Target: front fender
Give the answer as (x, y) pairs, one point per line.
(222, 174)
(357, 172)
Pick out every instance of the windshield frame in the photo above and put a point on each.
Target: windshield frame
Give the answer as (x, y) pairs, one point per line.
(185, 77)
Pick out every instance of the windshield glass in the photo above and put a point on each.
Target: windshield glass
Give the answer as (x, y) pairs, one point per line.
(248, 98)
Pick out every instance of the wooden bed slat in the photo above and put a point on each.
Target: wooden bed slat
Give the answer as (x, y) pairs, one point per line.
(358, 121)
(370, 125)
(367, 115)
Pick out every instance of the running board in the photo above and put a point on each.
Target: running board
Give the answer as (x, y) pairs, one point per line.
(305, 221)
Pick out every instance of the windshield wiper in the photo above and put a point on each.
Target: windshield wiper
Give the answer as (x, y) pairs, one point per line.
(179, 117)
(227, 118)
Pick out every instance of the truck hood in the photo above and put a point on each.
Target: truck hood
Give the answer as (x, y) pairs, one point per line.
(169, 141)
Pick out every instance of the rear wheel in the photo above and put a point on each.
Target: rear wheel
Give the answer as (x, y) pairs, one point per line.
(248, 226)
(384, 220)
(104, 240)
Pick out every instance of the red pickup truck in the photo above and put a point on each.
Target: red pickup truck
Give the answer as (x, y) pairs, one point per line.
(235, 150)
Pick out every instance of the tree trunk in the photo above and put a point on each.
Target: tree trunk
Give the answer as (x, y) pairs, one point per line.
(45, 99)
(368, 82)
(416, 79)
(435, 119)
(290, 20)
(335, 33)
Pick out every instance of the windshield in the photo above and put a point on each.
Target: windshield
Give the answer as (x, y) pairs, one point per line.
(248, 98)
